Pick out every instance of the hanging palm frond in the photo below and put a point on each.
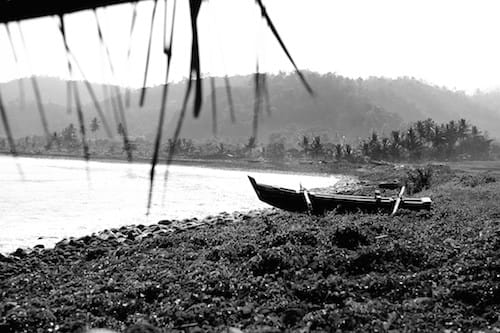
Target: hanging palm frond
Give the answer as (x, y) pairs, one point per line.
(230, 99)
(167, 50)
(143, 90)
(129, 49)
(257, 101)
(38, 97)
(195, 71)
(6, 126)
(265, 93)
(16, 59)
(79, 111)
(214, 105)
(271, 25)
(116, 99)
(70, 55)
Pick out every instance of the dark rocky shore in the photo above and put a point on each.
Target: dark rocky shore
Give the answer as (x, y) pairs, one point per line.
(271, 271)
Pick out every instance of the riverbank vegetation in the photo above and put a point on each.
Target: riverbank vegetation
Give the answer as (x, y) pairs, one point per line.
(421, 141)
(271, 271)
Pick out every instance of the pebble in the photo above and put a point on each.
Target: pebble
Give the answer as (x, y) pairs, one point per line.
(123, 235)
(247, 310)
(234, 330)
(20, 253)
(154, 228)
(5, 259)
(418, 303)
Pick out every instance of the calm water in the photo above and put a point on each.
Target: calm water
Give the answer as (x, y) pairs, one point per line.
(59, 198)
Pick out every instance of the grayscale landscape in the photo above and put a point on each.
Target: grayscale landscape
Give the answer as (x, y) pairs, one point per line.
(249, 166)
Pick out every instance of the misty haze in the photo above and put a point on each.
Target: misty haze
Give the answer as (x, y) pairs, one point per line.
(249, 166)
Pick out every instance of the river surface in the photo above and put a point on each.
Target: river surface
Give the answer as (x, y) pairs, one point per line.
(50, 199)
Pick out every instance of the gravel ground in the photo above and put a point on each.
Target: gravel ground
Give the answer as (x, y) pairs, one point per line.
(272, 271)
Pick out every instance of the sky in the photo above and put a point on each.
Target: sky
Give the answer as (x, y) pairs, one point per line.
(452, 43)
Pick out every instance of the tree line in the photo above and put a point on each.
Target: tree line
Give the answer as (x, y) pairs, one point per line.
(422, 141)
(428, 140)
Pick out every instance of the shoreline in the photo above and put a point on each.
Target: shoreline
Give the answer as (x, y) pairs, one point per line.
(344, 182)
(270, 270)
(307, 166)
(362, 182)
(362, 171)
(353, 178)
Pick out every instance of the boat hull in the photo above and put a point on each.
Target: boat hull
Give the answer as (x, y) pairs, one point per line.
(294, 201)
(280, 197)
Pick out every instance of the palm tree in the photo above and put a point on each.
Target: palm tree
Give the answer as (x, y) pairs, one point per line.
(451, 135)
(69, 136)
(94, 125)
(421, 130)
(413, 144)
(395, 149)
(338, 151)
(348, 151)
(463, 129)
(385, 148)
(304, 144)
(429, 126)
(438, 141)
(316, 147)
(121, 129)
(374, 146)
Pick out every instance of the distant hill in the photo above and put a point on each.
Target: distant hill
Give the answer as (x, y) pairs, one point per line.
(341, 107)
(53, 90)
(490, 100)
(414, 100)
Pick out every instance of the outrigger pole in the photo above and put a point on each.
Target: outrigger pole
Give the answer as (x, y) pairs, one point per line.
(398, 200)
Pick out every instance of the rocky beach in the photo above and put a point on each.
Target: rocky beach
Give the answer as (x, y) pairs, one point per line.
(270, 271)
(130, 198)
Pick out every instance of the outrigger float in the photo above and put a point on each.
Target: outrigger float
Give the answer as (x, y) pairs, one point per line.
(316, 203)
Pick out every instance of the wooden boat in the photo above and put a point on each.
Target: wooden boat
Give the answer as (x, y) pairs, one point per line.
(304, 201)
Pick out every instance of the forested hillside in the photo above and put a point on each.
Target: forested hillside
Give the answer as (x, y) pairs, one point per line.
(342, 109)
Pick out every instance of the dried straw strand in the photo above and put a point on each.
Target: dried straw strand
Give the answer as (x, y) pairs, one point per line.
(146, 70)
(271, 25)
(167, 50)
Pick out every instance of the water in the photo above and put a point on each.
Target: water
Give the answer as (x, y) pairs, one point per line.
(58, 198)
